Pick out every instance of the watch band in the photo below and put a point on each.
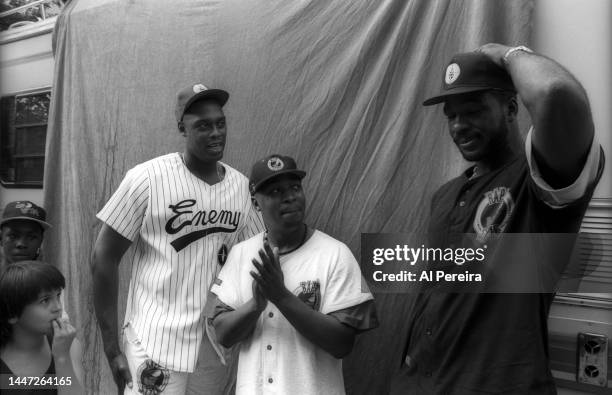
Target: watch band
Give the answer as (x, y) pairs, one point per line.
(513, 50)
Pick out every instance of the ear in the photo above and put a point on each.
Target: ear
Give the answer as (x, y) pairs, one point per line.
(255, 204)
(181, 128)
(512, 109)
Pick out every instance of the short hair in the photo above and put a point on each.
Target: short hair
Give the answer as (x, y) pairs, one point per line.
(20, 284)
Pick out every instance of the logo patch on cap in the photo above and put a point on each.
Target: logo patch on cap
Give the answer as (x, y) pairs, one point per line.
(275, 164)
(26, 208)
(452, 73)
(197, 88)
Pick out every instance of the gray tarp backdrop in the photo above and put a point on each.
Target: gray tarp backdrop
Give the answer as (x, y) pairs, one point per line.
(336, 84)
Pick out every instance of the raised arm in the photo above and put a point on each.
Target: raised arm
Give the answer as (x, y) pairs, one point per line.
(108, 251)
(323, 330)
(559, 110)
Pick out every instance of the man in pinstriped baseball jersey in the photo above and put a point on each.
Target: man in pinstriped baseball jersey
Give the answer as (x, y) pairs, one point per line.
(182, 212)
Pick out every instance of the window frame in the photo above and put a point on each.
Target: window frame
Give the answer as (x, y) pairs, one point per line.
(597, 220)
(24, 184)
(30, 30)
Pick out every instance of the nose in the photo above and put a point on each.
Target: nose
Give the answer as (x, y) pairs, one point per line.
(56, 305)
(457, 125)
(289, 195)
(56, 308)
(216, 131)
(20, 242)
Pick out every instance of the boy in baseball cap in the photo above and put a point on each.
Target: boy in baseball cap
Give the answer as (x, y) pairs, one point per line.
(22, 228)
(292, 296)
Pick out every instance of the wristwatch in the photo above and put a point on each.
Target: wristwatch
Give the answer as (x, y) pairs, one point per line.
(513, 50)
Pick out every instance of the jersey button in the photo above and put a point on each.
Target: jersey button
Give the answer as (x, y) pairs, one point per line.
(270, 380)
(269, 347)
(270, 314)
(462, 203)
(428, 332)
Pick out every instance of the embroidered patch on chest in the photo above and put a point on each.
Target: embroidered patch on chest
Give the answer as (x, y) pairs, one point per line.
(309, 292)
(493, 213)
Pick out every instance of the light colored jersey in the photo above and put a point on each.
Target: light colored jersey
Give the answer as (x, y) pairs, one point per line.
(276, 358)
(182, 230)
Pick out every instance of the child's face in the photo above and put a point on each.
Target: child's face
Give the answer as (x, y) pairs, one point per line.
(39, 315)
(21, 240)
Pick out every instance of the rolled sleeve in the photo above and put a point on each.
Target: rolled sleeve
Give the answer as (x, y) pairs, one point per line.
(558, 198)
(361, 317)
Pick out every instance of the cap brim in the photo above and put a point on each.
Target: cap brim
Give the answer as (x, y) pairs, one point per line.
(218, 95)
(300, 173)
(44, 224)
(452, 92)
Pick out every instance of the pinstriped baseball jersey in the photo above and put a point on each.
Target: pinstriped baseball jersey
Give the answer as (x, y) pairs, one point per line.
(182, 229)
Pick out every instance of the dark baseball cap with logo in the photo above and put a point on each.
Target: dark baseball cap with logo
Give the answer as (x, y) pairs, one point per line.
(193, 93)
(471, 72)
(25, 210)
(270, 167)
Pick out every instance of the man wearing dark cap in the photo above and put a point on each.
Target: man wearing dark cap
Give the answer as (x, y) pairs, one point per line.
(22, 230)
(472, 342)
(182, 212)
(293, 297)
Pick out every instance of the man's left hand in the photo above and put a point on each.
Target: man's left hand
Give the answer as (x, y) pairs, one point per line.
(269, 274)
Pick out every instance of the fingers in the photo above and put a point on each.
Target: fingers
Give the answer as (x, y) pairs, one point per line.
(261, 269)
(62, 327)
(268, 251)
(263, 257)
(275, 258)
(121, 372)
(120, 384)
(257, 278)
(127, 376)
(271, 255)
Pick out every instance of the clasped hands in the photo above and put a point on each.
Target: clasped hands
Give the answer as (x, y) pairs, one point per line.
(268, 279)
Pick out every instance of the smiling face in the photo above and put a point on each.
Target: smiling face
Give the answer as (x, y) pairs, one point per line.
(37, 317)
(282, 202)
(21, 240)
(477, 124)
(203, 126)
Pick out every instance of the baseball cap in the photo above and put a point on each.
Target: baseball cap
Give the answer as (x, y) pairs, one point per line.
(25, 210)
(189, 95)
(270, 167)
(471, 72)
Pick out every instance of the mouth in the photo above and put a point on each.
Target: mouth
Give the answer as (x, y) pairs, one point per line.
(467, 143)
(21, 255)
(291, 212)
(218, 146)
